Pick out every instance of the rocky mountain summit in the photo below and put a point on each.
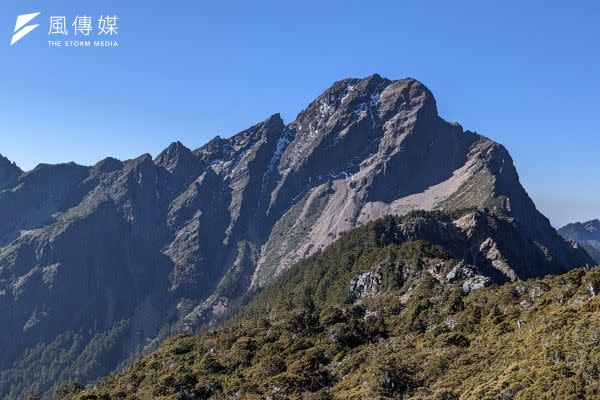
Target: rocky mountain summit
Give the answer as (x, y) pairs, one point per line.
(9, 172)
(108, 259)
(585, 233)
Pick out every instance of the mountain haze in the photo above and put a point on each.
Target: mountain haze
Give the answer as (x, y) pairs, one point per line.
(99, 262)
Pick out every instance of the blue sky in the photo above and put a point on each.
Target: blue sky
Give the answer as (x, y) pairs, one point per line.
(526, 75)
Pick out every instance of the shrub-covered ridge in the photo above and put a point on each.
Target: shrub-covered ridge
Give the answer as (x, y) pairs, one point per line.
(375, 317)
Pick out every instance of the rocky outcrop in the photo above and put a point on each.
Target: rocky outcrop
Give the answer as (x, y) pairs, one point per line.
(481, 247)
(468, 276)
(365, 285)
(134, 250)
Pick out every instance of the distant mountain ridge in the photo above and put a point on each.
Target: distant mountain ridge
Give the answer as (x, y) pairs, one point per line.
(586, 233)
(109, 259)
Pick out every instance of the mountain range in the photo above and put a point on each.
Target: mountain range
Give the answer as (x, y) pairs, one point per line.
(587, 234)
(99, 263)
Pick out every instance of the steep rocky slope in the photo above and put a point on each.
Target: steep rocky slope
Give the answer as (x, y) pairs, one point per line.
(99, 262)
(388, 313)
(587, 234)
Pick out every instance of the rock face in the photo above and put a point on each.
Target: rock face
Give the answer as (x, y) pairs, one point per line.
(365, 285)
(491, 248)
(104, 259)
(587, 234)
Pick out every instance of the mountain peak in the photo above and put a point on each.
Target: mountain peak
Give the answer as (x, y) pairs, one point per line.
(585, 233)
(593, 227)
(178, 159)
(275, 118)
(373, 94)
(5, 163)
(173, 150)
(595, 223)
(9, 172)
(589, 226)
(107, 165)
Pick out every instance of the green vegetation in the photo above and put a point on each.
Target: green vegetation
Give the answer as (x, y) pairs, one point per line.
(71, 356)
(309, 336)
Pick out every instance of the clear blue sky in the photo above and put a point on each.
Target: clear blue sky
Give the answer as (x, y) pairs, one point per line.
(526, 74)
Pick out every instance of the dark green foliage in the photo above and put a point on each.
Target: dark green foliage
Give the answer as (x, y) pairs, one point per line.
(391, 378)
(71, 356)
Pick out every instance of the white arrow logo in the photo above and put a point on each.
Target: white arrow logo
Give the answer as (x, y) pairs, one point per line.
(21, 21)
